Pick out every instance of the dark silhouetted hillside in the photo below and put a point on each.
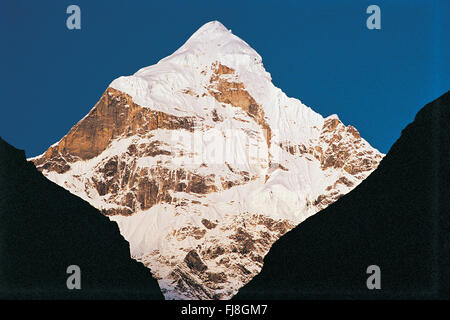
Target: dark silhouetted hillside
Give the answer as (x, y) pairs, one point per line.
(398, 219)
(44, 229)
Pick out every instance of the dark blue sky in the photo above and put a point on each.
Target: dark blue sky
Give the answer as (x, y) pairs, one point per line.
(318, 51)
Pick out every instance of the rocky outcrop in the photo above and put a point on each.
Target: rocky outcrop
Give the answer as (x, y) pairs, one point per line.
(221, 262)
(194, 262)
(141, 188)
(338, 147)
(344, 152)
(226, 90)
(119, 178)
(113, 116)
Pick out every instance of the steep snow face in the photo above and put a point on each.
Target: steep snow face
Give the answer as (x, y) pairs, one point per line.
(150, 86)
(204, 163)
(189, 68)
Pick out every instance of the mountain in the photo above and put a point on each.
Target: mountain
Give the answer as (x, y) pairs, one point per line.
(204, 163)
(45, 229)
(397, 219)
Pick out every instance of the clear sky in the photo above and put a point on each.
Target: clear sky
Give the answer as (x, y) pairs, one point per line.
(318, 51)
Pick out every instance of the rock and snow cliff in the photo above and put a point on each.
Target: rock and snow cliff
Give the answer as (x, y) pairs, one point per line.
(204, 163)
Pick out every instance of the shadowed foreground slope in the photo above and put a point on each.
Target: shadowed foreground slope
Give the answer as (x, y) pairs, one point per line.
(398, 219)
(44, 229)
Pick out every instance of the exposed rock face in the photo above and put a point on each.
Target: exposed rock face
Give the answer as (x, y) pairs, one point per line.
(204, 164)
(113, 116)
(341, 154)
(338, 148)
(225, 90)
(229, 253)
(125, 184)
(194, 262)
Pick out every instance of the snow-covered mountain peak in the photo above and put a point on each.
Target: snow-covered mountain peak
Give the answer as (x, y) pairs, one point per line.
(209, 31)
(332, 116)
(214, 42)
(204, 163)
(212, 49)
